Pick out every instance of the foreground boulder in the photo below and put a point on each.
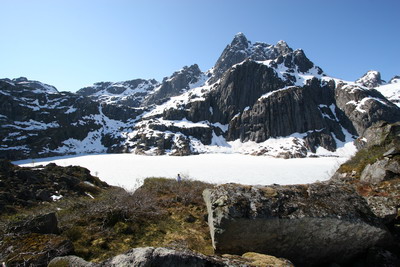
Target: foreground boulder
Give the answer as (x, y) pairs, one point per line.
(307, 224)
(150, 256)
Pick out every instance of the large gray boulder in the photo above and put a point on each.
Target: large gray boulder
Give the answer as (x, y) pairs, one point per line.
(165, 257)
(381, 170)
(307, 224)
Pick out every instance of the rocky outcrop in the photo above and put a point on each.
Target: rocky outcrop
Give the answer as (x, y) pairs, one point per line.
(364, 107)
(308, 224)
(150, 256)
(374, 171)
(24, 187)
(382, 170)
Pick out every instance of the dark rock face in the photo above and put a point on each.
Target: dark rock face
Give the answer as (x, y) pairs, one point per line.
(175, 85)
(240, 88)
(308, 224)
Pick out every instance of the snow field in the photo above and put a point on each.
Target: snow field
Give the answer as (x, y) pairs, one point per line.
(129, 170)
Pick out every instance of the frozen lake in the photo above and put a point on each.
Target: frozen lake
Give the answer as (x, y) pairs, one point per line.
(129, 170)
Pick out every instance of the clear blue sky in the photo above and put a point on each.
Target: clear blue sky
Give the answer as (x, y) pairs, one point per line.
(74, 43)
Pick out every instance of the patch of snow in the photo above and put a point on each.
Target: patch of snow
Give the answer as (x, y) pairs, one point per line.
(391, 91)
(201, 82)
(223, 127)
(32, 125)
(55, 197)
(276, 91)
(70, 110)
(361, 103)
(89, 195)
(88, 183)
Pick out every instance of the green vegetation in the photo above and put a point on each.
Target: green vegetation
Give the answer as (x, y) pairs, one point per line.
(162, 212)
(362, 158)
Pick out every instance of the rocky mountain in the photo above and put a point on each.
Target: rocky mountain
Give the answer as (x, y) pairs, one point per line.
(39, 122)
(258, 99)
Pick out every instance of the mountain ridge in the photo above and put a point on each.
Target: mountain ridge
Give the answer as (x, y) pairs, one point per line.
(270, 97)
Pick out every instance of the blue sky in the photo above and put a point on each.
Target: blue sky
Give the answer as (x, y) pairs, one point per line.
(74, 43)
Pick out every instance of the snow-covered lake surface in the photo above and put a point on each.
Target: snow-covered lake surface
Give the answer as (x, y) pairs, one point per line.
(129, 170)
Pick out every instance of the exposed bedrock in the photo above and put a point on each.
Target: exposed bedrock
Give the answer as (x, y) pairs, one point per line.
(307, 224)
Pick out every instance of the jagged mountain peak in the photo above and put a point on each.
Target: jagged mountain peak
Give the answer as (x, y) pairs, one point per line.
(241, 49)
(240, 41)
(283, 47)
(371, 79)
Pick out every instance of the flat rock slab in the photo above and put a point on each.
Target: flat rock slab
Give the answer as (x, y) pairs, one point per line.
(307, 224)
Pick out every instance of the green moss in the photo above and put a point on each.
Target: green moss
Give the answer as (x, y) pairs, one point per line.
(361, 159)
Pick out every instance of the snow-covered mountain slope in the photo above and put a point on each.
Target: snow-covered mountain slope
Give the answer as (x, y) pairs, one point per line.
(129, 93)
(38, 122)
(258, 99)
(139, 92)
(391, 90)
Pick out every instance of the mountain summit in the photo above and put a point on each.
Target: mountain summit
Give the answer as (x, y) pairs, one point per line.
(258, 99)
(371, 79)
